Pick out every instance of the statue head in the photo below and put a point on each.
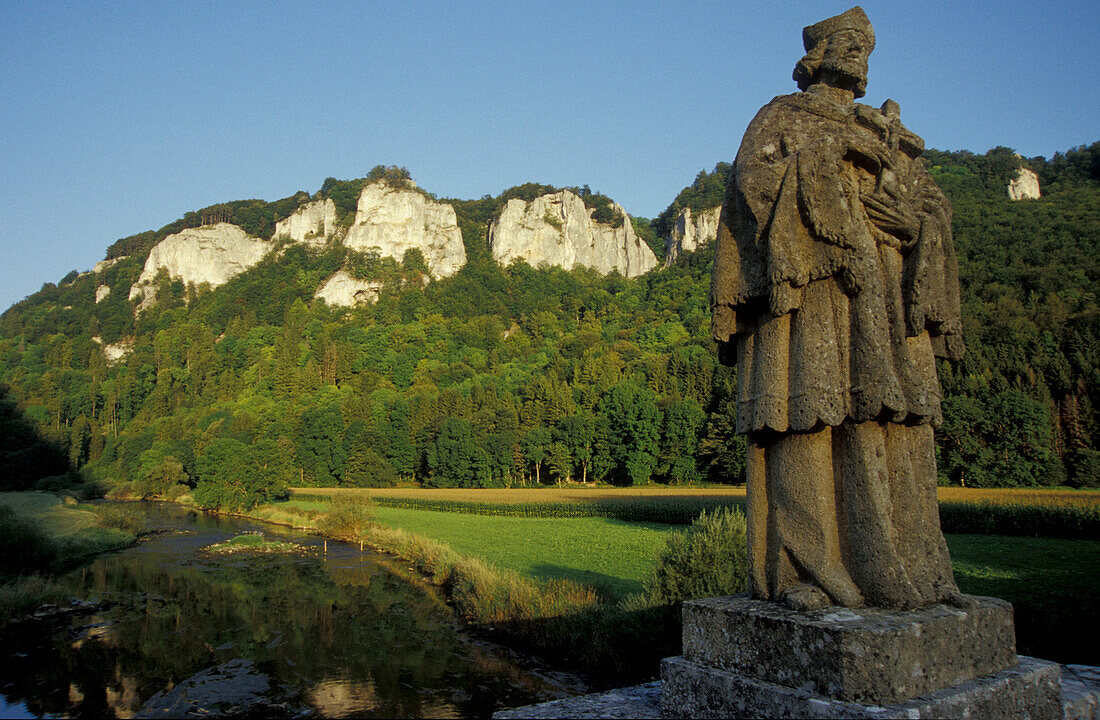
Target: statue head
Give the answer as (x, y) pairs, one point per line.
(837, 49)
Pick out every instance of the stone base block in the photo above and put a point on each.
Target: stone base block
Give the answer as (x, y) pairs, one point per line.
(861, 655)
(1029, 689)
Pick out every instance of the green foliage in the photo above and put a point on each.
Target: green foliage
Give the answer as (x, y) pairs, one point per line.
(706, 192)
(255, 217)
(632, 422)
(237, 476)
(1084, 468)
(24, 545)
(506, 376)
(1003, 441)
(709, 559)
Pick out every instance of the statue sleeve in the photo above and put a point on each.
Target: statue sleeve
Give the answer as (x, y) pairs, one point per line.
(786, 220)
(931, 280)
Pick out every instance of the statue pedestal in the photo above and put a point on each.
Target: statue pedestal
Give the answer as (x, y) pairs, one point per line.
(751, 658)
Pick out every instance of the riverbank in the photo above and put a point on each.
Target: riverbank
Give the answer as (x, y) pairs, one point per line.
(520, 589)
(42, 535)
(341, 631)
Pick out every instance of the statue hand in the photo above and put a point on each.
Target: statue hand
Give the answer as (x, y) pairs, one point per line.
(892, 215)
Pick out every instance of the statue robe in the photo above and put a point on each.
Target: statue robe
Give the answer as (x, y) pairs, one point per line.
(835, 326)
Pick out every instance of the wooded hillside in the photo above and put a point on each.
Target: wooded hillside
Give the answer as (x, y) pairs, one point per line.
(513, 375)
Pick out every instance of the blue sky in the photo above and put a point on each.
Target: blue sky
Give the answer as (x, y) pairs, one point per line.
(119, 117)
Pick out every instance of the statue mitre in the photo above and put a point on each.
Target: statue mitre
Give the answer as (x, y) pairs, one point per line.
(854, 19)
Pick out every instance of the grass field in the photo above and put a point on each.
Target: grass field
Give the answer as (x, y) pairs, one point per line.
(1052, 582)
(57, 519)
(39, 535)
(612, 556)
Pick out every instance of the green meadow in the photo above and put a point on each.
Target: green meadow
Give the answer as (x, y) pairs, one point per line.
(612, 556)
(1051, 582)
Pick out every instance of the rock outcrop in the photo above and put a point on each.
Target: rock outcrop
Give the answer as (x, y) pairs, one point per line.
(394, 220)
(1025, 186)
(345, 291)
(211, 254)
(101, 293)
(557, 229)
(311, 224)
(104, 264)
(689, 233)
(115, 352)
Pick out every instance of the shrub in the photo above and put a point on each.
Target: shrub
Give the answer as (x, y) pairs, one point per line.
(24, 595)
(24, 546)
(710, 558)
(121, 517)
(348, 516)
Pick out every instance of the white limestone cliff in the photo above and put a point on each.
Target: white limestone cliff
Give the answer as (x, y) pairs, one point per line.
(1025, 186)
(343, 290)
(104, 264)
(689, 233)
(394, 220)
(101, 293)
(211, 254)
(115, 353)
(311, 224)
(557, 229)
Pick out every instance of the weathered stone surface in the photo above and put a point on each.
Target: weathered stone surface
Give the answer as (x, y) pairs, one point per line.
(691, 232)
(1081, 692)
(835, 288)
(104, 264)
(232, 689)
(860, 655)
(115, 353)
(211, 254)
(343, 290)
(557, 229)
(394, 220)
(639, 701)
(1025, 186)
(310, 224)
(1028, 689)
(101, 293)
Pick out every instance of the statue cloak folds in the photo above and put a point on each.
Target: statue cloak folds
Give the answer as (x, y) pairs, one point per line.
(835, 324)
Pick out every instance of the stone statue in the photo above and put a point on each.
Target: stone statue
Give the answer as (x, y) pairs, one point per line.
(834, 289)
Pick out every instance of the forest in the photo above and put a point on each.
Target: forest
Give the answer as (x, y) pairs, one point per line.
(516, 376)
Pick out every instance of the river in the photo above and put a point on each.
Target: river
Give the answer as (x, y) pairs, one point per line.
(337, 634)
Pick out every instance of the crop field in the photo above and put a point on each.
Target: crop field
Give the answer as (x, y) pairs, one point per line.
(1028, 512)
(533, 495)
(664, 493)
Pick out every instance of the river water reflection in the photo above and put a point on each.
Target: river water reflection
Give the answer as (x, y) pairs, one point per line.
(344, 633)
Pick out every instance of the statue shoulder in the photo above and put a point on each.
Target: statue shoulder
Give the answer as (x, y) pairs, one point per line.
(779, 128)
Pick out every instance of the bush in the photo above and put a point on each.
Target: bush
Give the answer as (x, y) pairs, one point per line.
(121, 517)
(24, 595)
(709, 559)
(25, 547)
(348, 516)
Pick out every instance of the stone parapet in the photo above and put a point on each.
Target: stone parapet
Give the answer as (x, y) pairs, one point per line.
(865, 655)
(1029, 689)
